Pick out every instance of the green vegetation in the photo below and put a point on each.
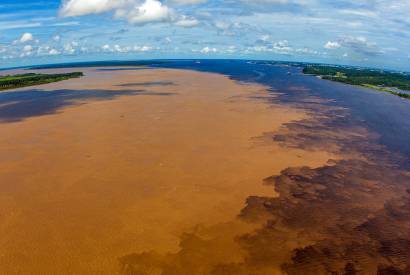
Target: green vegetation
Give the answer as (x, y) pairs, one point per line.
(375, 79)
(387, 90)
(30, 79)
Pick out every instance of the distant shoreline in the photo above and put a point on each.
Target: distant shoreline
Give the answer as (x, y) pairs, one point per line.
(147, 62)
(390, 82)
(9, 82)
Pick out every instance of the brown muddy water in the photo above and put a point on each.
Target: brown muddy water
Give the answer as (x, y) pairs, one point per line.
(122, 171)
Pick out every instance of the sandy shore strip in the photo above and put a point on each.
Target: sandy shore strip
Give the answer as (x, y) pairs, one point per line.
(162, 152)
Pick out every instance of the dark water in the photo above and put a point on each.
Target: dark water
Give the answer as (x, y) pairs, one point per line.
(382, 113)
(18, 105)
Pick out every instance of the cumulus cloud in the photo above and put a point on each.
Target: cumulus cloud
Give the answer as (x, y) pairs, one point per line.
(53, 52)
(27, 48)
(231, 49)
(138, 12)
(207, 50)
(143, 48)
(282, 47)
(84, 7)
(106, 47)
(70, 48)
(186, 22)
(25, 37)
(148, 11)
(126, 49)
(26, 51)
(233, 28)
(115, 48)
(45, 50)
(357, 44)
(360, 45)
(332, 45)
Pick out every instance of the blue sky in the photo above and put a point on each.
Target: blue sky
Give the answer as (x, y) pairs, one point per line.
(372, 33)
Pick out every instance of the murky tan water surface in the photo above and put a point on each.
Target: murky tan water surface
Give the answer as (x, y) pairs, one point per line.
(97, 179)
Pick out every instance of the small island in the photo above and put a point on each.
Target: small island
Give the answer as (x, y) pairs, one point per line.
(391, 82)
(30, 79)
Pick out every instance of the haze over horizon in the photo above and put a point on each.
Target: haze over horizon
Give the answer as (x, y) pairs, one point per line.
(371, 33)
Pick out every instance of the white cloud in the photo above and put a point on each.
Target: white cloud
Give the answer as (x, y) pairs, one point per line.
(332, 45)
(43, 50)
(26, 37)
(53, 52)
(186, 22)
(5, 57)
(126, 49)
(69, 49)
(138, 12)
(281, 44)
(143, 48)
(149, 11)
(118, 48)
(106, 47)
(84, 7)
(135, 11)
(231, 49)
(64, 24)
(24, 54)
(26, 51)
(307, 51)
(56, 38)
(357, 12)
(18, 25)
(361, 45)
(27, 48)
(207, 50)
(282, 47)
(47, 50)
